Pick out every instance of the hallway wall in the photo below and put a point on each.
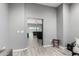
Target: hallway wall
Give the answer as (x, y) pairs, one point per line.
(16, 23)
(74, 21)
(63, 24)
(66, 24)
(3, 25)
(60, 24)
(14, 20)
(48, 14)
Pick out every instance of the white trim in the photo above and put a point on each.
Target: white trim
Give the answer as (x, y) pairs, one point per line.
(62, 47)
(52, 45)
(17, 50)
(47, 45)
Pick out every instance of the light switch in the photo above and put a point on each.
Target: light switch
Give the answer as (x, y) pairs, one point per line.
(22, 31)
(18, 31)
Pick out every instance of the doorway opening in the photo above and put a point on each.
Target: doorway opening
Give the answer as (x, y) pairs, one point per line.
(35, 29)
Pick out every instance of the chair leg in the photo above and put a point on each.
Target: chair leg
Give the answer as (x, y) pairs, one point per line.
(73, 53)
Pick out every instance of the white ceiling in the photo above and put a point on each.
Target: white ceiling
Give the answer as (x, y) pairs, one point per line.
(50, 4)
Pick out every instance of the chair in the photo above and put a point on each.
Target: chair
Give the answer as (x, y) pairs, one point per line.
(73, 48)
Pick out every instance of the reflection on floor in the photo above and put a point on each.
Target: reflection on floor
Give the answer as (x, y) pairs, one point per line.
(35, 49)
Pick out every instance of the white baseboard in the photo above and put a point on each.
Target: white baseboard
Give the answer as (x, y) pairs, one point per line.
(16, 50)
(52, 45)
(47, 45)
(62, 47)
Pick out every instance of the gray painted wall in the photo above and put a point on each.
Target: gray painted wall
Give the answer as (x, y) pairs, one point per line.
(65, 28)
(48, 14)
(74, 21)
(63, 24)
(16, 22)
(60, 24)
(3, 25)
(70, 22)
(66, 24)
